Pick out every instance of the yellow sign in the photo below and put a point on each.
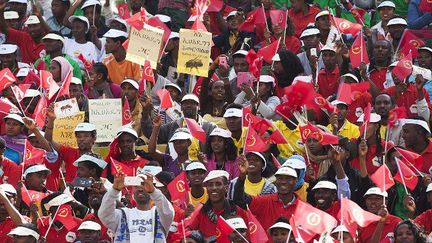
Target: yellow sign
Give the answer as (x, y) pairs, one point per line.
(63, 131)
(145, 44)
(194, 52)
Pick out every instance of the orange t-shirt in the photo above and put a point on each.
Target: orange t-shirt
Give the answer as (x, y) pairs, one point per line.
(119, 71)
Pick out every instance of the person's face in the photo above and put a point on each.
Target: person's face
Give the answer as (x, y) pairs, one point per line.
(8, 60)
(277, 30)
(278, 68)
(52, 46)
(234, 124)
(404, 234)
(240, 64)
(310, 41)
(373, 203)
(30, 103)
(85, 140)
(381, 50)
(136, 4)
(217, 91)
(83, 171)
(21, 8)
(410, 135)
(285, 184)
(88, 13)
(129, 91)
(127, 143)
(58, 8)
(233, 22)
(346, 237)
(55, 70)
(196, 177)
(297, 5)
(396, 31)
(174, 93)
(36, 181)
(267, 3)
(386, 13)
(279, 235)
(264, 88)
(182, 146)
(371, 130)
(217, 144)
(141, 196)
(189, 108)
(314, 146)
(111, 45)
(323, 22)
(79, 28)
(383, 105)
(236, 238)
(324, 198)
(13, 127)
(95, 76)
(329, 59)
(12, 23)
(24, 239)
(89, 236)
(255, 164)
(35, 31)
(425, 59)
(75, 91)
(95, 200)
(217, 189)
(343, 110)
(118, 26)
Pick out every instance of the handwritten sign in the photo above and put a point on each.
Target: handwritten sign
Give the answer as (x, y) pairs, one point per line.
(106, 114)
(63, 131)
(66, 108)
(145, 44)
(194, 52)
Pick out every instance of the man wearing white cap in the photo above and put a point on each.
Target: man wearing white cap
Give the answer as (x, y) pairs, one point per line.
(346, 236)
(374, 201)
(377, 72)
(233, 119)
(269, 207)
(217, 205)
(324, 195)
(25, 233)
(328, 77)
(239, 65)
(31, 99)
(416, 135)
(89, 232)
(9, 215)
(396, 27)
(149, 221)
(169, 58)
(11, 19)
(20, 6)
(386, 10)
(280, 231)
(76, 91)
(129, 91)
(241, 230)
(339, 124)
(310, 39)
(9, 59)
(59, 9)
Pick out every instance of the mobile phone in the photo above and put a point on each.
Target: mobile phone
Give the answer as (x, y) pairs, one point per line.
(132, 181)
(82, 182)
(313, 52)
(223, 61)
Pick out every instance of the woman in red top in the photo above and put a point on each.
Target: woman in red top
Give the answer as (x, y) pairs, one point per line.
(289, 42)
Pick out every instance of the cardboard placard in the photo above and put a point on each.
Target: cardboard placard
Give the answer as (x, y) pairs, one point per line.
(194, 52)
(63, 131)
(145, 44)
(66, 108)
(106, 114)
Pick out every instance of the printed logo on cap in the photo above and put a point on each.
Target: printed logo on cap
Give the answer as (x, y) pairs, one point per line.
(413, 109)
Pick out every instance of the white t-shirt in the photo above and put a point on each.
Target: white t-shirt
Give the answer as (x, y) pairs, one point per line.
(88, 49)
(141, 225)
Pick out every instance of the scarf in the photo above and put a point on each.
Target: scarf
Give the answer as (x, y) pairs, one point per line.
(65, 67)
(300, 180)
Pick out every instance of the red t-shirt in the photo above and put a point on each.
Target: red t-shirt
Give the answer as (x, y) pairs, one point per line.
(328, 82)
(372, 164)
(54, 234)
(408, 99)
(11, 172)
(389, 226)
(379, 76)
(301, 21)
(355, 109)
(267, 208)
(426, 158)
(69, 155)
(425, 221)
(333, 210)
(30, 50)
(5, 227)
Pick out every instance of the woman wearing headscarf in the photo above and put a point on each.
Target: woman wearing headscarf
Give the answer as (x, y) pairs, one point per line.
(60, 68)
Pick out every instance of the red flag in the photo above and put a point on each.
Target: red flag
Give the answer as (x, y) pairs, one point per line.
(19, 94)
(48, 83)
(126, 113)
(117, 167)
(215, 6)
(6, 78)
(411, 159)
(299, 234)
(193, 215)
(278, 138)
(64, 89)
(199, 25)
(6, 107)
(382, 178)
(165, 98)
(247, 116)
(88, 64)
(269, 51)
(358, 52)
(260, 124)
(255, 63)
(275, 161)
(123, 11)
(311, 131)
(357, 89)
(347, 27)
(29, 195)
(286, 109)
(137, 20)
(147, 72)
(313, 220)
(361, 217)
(33, 155)
(114, 150)
(278, 17)
(224, 228)
(359, 15)
(39, 114)
(367, 113)
(254, 17)
(156, 22)
(254, 142)
(403, 68)
(179, 188)
(344, 93)
(425, 6)
(257, 234)
(395, 114)
(409, 177)
(41, 66)
(125, 44)
(196, 130)
(197, 88)
(410, 43)
(64, 215)
(31, 78)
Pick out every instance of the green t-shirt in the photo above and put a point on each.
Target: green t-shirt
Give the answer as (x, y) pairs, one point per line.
(399, 208)
(75, 66)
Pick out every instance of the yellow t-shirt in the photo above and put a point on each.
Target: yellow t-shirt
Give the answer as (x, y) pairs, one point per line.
(240, 143)
(202, 199)
(302, 192)
(119, 71)
(194, 149)
(253, 189)
(383, 130)
(293, 137)
(348, 130)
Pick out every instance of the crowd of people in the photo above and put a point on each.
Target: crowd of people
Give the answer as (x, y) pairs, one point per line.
(312, 125)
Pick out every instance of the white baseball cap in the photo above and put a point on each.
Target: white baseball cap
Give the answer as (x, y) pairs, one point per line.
(328, 48)
(18, 1)
(58, 200)
(338, 102)
(425, 48)
(8, 49)
(295, 162)
(32, 19)
(220, 132)
(151, 169)
(164, 18)
(131, 82)
(397, 21)
(216, 174)
(85, 127)
(88, 3)
(240, 53)
(195, 166)
(127, 129)
(53, 36)
(322, 13)
(76, 81)
(173, 85)
(429, 188)
(81, 18)
(260, 156)
(376, 191)
(190, 97)
(113, 33)
(267, 79)
(10, 15)
(325, 185)
(233, 112)
(237, 223)
(374, 117)
(85, 157)
(416, 122)
(232, 13)
(173, 35)
(351, 76)
(309, 32)
(8, 189)
(23, 231)
(15, 117)
(181, 135)
(118, 19)
(36, 168)
(276, 58)
(89, 225)
(286, 170)
(280, 225)
(386, 4)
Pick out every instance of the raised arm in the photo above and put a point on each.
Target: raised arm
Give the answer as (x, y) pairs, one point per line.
(31, 126)
(108, 214)
(16, 217)
(240, 197)
(70, 12)
(153, 141)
